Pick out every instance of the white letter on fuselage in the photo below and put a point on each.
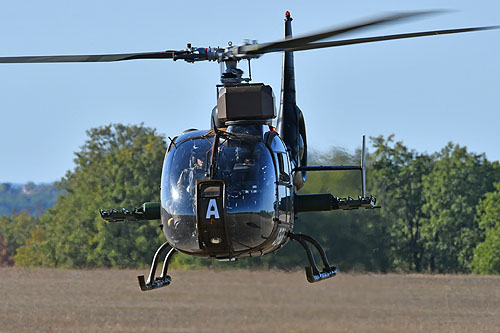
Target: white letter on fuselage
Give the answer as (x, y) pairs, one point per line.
(212, 209)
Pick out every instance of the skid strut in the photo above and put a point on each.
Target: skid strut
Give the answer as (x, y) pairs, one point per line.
(164, 279)
(312, 272)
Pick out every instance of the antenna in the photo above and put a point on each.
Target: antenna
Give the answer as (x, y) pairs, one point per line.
(363, 169)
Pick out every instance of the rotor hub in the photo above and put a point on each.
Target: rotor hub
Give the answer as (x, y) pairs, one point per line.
(231, 75)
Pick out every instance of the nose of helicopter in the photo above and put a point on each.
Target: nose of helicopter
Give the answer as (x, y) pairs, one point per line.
(226, 214)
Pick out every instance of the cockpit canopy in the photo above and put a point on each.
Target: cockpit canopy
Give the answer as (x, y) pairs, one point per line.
(245, 165)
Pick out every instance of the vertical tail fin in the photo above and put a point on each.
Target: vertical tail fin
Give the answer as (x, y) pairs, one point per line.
(288, 75)
(291, 126)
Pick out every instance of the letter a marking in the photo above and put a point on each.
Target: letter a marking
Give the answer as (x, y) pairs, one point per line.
(212, 209)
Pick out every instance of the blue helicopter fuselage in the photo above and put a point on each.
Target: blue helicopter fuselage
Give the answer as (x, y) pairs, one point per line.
(227, 194)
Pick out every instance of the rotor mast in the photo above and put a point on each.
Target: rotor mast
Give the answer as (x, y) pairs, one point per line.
(231, 75)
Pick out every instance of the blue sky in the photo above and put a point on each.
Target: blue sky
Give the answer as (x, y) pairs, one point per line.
(428, 91)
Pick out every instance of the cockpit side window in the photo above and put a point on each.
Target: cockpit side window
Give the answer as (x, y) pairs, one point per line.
(280, 163)
(283, 168)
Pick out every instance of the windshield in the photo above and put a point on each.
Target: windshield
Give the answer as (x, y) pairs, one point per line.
(245, 165)
(247, 168)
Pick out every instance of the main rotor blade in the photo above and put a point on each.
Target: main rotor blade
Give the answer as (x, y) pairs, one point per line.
(90, 57)
(304, 40)
(387, 37)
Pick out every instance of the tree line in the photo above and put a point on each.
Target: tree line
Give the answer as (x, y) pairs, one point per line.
(440, 212)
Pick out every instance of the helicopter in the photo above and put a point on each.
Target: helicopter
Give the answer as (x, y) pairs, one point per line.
(230, 192)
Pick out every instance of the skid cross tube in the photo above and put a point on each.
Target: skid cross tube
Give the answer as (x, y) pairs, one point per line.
(312, 272)
(164, 279)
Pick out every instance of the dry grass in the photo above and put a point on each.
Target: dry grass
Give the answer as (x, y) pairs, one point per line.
(206, 301)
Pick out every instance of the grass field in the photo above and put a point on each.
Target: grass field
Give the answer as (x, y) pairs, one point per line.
(48, 300)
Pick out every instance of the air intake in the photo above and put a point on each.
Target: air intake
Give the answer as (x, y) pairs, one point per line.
(246, 102)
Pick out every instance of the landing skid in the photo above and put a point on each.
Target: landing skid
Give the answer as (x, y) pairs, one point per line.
(312, 272)
(164, 279)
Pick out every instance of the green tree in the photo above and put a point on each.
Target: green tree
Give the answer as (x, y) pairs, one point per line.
(487, 253)
(458, 181)
(396, 178)
(14, 231)
(118, 166)
(5, 256)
